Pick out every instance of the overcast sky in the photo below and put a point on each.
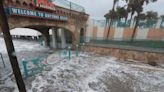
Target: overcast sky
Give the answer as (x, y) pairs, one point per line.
(97, 8)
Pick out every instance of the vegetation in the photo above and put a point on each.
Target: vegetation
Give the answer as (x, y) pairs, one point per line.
(149, 18)
(132, 7)
(111, 15)
(162, 16)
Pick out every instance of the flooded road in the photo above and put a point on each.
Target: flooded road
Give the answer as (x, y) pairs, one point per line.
(24, 50)
(89, 72)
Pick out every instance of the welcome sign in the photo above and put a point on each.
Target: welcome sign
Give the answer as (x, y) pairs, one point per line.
(37, 14)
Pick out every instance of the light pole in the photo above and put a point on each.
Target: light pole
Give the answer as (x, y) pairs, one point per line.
(77, 50)
(69, 52)
(83, 47)
(10, 49)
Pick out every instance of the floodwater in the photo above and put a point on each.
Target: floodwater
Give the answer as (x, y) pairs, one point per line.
(95, 73)
(87, 73)
(24, 50)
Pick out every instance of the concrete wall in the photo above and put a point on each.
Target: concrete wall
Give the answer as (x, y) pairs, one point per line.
(125, 55)
(97, 29)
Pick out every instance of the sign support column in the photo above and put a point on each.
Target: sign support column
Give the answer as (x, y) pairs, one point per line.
(54, 40)
(10, 49)
(63, 38)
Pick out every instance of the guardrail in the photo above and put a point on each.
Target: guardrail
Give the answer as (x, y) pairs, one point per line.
(147, 23)
(145, 43)
(69, 5)
(34, 66)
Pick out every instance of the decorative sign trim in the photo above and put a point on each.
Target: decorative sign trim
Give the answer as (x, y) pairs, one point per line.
(45, 4)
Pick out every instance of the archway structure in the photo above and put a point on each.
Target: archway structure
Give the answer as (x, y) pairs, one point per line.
(18, 12)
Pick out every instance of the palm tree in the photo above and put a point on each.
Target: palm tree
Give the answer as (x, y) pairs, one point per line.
(162, 16)
(106, 19)
(132, 13)
(151, 18)
(122, 13)
(141, 17)
(111, 16)
(137, 6)
(114, 4)
(152, 15)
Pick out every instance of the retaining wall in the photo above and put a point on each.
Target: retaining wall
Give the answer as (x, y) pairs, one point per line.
(127, 54)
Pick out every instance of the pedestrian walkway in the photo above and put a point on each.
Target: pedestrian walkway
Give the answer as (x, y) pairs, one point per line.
(126, 47)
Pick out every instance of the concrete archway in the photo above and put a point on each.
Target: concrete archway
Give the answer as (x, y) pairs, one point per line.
(45, 30)
(27, 32)
(62, 37)
(71, 21)
(40, 25)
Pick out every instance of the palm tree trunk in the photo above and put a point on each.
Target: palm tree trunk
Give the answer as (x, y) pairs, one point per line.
(113, 7)
(131, 18)
(135, 29)
(106, 25)
(114, 3)
(109, 28)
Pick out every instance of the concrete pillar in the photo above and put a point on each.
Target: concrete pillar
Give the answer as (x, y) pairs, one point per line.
(116, 24)
(158, 25)
(45, 32)
(63, 38)
(75, 38)
(47, 40)
(54, 36)
(89, 32)
(132, 23)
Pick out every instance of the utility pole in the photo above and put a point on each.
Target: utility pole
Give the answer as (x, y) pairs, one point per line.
(10, 49)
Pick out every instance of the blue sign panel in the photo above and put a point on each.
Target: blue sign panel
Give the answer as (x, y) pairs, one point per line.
(31, 13)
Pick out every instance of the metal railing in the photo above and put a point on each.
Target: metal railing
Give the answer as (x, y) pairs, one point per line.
(155, 23)
(34, 66)
(145, 43)
(68, 5)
